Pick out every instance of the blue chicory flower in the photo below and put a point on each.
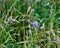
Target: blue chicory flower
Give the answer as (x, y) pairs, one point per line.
(35, 24)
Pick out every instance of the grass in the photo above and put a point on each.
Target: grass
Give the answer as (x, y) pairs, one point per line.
(16, 24)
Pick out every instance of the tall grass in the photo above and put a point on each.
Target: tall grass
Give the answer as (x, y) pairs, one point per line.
(30, 24)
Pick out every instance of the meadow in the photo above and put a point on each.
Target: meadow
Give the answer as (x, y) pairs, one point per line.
(29, 23)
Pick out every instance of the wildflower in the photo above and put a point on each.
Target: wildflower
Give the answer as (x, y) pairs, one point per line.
(35, 24)
(43, 26)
